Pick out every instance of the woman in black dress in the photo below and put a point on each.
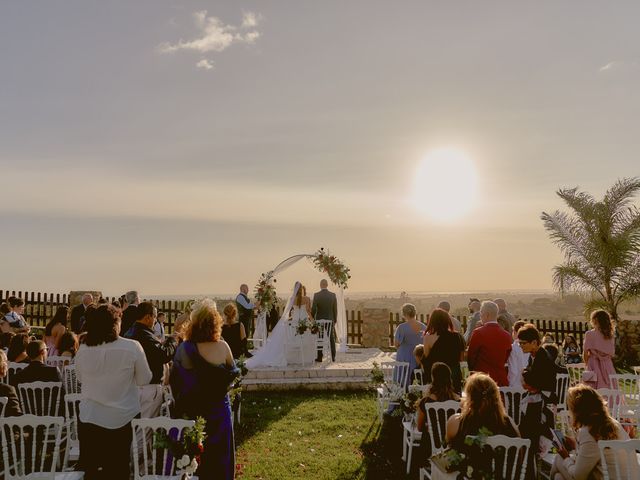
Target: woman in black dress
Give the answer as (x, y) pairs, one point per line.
(233, 331)
(442, 344)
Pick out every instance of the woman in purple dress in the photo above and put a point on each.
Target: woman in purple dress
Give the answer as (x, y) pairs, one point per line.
(203, 370)
(408, 335)
(599, 349)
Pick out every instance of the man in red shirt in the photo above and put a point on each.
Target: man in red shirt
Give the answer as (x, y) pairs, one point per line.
(490, 346)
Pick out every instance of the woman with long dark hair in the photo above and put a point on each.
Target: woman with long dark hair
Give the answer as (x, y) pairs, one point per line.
(441, 390)
(442, 344)
(56, 327)
(18, 348)
(599, 349)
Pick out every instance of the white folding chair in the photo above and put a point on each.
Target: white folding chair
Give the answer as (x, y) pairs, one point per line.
(293, 341)
(41, 398)
(628, 384)
(411, 438)
(562, 386)
(514, 399)
(437, 415)
(31, 448)
(417, 374)
(575, 373)
(324, 336)
(619, 459)
(3, 404)
(618, 407)
(156, 463)
(13, 368)
(509, 456)
(395, 374)
(71, 413)
(70, 379)
(58, 362)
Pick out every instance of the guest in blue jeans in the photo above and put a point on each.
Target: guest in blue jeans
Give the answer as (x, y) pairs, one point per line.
(408, 335)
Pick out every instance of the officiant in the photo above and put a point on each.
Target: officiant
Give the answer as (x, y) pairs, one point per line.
(245, 309)
(325, 307)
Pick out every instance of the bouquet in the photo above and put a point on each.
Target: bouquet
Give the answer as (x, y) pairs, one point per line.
(188, 451)
(265, 292)
(474, 461)
(304, 324)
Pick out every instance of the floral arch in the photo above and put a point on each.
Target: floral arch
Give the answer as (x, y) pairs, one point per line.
(324, 262)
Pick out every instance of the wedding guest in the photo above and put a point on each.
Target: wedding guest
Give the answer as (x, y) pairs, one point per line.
(474, 318)
(518, 360)
(505, 319)
(56, 327)
(481, 408)
(78, 313)
(4, 325)
(548, 338)
(571, 350)
(490, 346)
(5, 340)
(158, 354)
(418, 354)
(273, 316)
(68, 345)
(233, 331)
(182, 321)
(440, 390)
(12, 407)
(203, 370)
(245, 309)
(325, 307)
(443, 345)
(130, 313)
(36, 371)
(18, 348)
(158, 326)
(599, 348)
(446, 306)
(408, 335)
(15, 318)
(110, 369)
(593, 423)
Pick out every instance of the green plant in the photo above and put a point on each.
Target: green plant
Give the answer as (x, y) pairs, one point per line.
(377, 376)
(186, 452)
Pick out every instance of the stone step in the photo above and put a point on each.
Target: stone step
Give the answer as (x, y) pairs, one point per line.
(317, 383)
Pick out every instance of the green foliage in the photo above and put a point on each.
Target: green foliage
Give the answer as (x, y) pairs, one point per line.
(377, 376)
(191, 444)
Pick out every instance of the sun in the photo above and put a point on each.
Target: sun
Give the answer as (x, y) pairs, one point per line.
(446, 185)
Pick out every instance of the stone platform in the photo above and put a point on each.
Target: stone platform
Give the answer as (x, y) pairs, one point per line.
(351, 370)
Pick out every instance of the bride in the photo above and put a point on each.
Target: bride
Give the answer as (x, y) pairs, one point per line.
(273, 353)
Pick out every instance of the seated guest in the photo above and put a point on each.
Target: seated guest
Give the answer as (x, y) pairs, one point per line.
(5, 340)
(55, 329)
(36, 371)
(12, 408)
(14, 318)
(158, 354)
(18, 348)
(442, 344)
(548, 338)
(203, 369)
(571, 350)
(441, 390)
(592, 422)
(4, 325)
(518, 360)
(110, 369)
(68, 345)
(130, 312)
(418, 354)
(233, 331)
(408, 335)
(490, 346)
(554, 355)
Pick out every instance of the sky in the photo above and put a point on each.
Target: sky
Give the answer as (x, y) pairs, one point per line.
(187, 147)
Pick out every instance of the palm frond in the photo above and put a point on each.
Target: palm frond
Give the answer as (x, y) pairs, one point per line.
(572, 277)
(620, 194)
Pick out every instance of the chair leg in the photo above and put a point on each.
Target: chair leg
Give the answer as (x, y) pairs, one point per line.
(410, 448)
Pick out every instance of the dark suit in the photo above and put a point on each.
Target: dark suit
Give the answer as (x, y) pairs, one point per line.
(12, 408)
(325, 307)
(129, 317)
(157, 352)
(35, 372)
(77, 318)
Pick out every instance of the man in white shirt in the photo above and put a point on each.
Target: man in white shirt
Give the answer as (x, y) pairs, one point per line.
(446, 306)
(245, 309)
(518, 360)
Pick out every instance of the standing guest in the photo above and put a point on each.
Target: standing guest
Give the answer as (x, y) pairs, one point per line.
(15, 318)
(18, 348)
(130, 313)
(68, 345)
(158, 355)
(446, 306)
(110, 369)
(408, 335)
(4, 325)
(571, 350)
(36, 371)
(474, 318)
(12, 408)
(518, 360)
(233, 331)
(203, 370)
(505, 319)
(443, 345)
(539, 379)
(593, 423)
(78, 313)
(245, 309)
(599, 348)
(440, 390)
(56, 327)
(490, 346)
(158, 326)
(325, 307)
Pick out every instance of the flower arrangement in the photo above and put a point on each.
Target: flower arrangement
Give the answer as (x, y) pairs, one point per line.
(337, 271)
(409, 402)
(474, 462)
(377, 375)
(305, 324)
(188, 451)
(265, 292)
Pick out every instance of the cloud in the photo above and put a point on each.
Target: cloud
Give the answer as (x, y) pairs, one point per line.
(620, 66)
(205, 64)
(250, 20)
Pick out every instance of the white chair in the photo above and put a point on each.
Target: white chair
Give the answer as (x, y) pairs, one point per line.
(437, 415)
(618, 407)
(562, 386)
(411, 438)
(396, 375)
(13, 368)
(58, 362)
(41, 398)
(31, 448)
(417, 374)
(621, 463)
(513, 462)
(628, 384)
(71, 412)
(155, 463)
(514, 399)
(293, 342)
(575, 372)
(3, 404)
(324, 337)
(70, 379)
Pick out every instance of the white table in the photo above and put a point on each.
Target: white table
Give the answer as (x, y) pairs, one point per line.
(309, 350)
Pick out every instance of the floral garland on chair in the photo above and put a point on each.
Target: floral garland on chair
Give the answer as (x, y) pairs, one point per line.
(186, 452)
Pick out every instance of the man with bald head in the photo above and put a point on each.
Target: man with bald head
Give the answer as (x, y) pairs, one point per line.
(446, 306)
(505, 319)
(245, 309)
(77, 314)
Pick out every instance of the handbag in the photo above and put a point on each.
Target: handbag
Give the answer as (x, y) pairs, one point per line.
(589, 376)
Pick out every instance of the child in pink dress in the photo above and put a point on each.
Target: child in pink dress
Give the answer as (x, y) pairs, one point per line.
(599, 349)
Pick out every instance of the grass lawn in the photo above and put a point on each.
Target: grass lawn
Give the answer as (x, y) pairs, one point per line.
(323, 435)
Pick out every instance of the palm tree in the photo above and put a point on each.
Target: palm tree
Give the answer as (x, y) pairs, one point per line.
(600, 241)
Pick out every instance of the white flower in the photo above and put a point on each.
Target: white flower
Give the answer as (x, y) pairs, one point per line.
(469, 471)
(192, 467)
(183, 462)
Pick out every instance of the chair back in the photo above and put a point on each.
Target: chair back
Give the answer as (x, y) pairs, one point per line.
(627, 383)
(417, 374)
(58, 362)
(41, 398)
(437, 415)
(396, 372)
(619, 459)
(514, 402)
(70, 379)
(562, 386)
(3, 404)
(30, 445)
(575, 372)
(151, 461)
(13, 368)
(563, 420)
(324, 330)
(509, 456)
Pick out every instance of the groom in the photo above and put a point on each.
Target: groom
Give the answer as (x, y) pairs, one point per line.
(325, 307)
